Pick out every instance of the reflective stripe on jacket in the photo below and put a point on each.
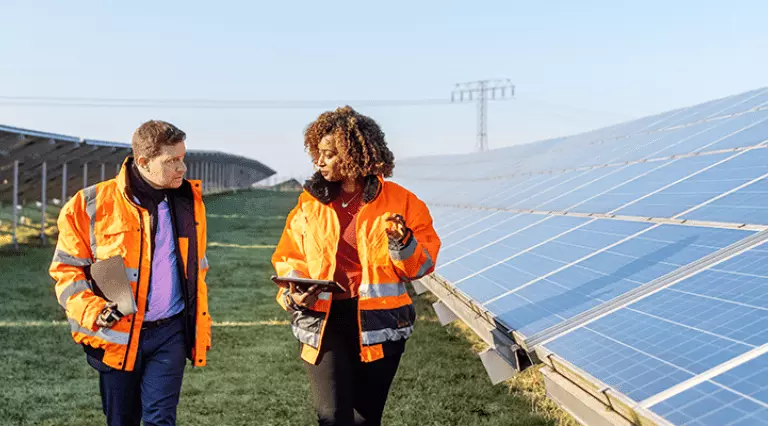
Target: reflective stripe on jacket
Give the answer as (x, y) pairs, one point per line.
(100, 222)
(308, 248)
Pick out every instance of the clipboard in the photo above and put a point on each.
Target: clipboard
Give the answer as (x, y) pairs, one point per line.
(111, 279)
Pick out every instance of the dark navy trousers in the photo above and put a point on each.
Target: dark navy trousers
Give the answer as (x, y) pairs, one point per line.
(151, 391)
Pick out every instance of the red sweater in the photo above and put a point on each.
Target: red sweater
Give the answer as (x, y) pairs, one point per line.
(348, 268)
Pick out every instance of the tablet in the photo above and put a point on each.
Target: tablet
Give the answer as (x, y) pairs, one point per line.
(303, 284)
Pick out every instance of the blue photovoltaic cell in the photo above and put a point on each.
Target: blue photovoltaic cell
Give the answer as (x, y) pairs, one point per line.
(501, 188)
(653, 144)
(607, 275)
(630, 372)
(727, 318)
(509, 245)
(736, 397)
(756, 134)
(512, 188)
(664, 174)
(645, 341)
(709, 109)
(575, 181)
(693, 326)
(472, 192)
(658, 144)
(456, 232)
(747, 205)
(665, 119)
(691, 192)
(542, 260)
(546, 258)
(457, 217)
(514, 199)
(617, 176)
(706, 137)
(759, 98)
(497, 232)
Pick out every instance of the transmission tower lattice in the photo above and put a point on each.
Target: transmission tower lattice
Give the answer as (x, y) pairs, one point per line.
(482, 90)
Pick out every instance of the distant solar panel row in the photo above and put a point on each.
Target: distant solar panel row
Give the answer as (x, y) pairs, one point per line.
(99, 160)
(633, 253)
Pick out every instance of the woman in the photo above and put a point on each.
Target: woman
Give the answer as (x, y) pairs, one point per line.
(369, 235)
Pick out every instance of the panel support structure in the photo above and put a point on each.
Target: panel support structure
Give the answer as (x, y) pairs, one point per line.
(14, 240)
(497, 366)
(419, 288)
(444, 314)
(63, 183)
(43, 199)
(579, 404)
(504, 358)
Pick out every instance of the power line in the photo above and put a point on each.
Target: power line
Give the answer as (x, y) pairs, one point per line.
(86, 102)
(222, 104)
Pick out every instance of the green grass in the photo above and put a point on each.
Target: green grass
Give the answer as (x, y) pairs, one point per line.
(254, 376)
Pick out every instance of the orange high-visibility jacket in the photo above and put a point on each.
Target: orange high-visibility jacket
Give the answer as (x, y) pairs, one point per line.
(308, 248)
(103, 221)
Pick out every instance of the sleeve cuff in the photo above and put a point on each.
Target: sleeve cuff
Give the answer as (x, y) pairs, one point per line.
(403, 249)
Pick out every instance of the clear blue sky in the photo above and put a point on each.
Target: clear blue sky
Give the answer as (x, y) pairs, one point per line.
(577, 65)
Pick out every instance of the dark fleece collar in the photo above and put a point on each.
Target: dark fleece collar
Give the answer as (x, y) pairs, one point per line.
(148, 196)
(326, 192)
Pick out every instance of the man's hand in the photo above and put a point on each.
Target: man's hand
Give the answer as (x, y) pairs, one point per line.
(304, 299)
(104, 320)
(397, 229)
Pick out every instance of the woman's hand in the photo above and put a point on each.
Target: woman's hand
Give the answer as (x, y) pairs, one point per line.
(397, 229)
(304, 299)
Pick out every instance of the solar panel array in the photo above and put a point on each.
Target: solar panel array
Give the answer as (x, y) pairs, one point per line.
(633, 255)
(102, 159)
(67, 164)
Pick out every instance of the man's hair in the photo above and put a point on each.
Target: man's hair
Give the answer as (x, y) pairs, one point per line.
(359, 139)
(151, 136)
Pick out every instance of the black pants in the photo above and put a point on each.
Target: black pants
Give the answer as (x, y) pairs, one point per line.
(345, 390)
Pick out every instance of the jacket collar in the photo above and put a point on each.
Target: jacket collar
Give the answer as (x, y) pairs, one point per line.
(326, 192)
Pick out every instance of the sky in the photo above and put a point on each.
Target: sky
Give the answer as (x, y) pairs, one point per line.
(576, 66)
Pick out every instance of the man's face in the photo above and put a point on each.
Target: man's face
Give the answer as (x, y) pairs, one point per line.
(328, 160)
(166, 171)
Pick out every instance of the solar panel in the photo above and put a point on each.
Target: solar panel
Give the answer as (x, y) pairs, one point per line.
(630, 255)
(735, 397)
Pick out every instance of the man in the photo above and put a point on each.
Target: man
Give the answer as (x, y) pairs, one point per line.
(155, 220)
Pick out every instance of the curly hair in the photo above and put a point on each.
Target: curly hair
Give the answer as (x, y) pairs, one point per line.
(359, 141)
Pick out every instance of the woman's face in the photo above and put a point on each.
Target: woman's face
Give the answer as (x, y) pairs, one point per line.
(328, 161)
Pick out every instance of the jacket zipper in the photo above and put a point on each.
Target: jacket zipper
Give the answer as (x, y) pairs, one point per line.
(183, 277)
(138, 281)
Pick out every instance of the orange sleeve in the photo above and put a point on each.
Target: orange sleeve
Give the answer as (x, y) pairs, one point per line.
(72, 255)
(288, 258)
(417, 257)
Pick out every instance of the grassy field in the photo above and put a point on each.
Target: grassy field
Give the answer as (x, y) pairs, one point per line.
(254, 376)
